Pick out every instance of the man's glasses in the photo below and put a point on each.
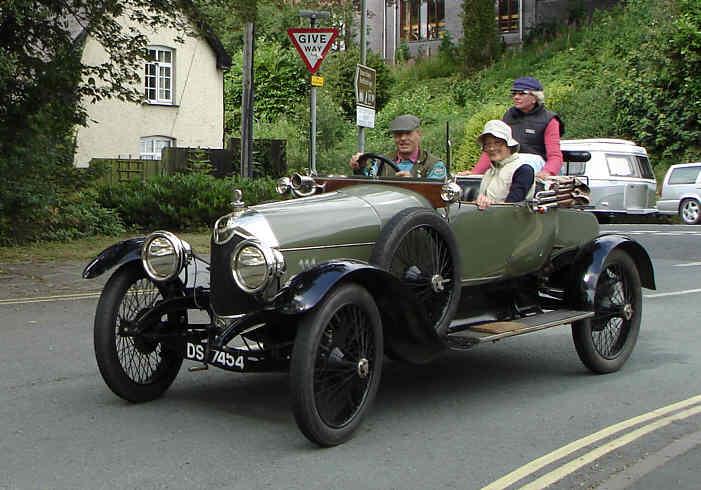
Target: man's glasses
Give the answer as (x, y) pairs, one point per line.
(519, 92)
(495, 144)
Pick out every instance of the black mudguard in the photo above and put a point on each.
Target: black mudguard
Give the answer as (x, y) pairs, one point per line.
(117, 254)
(407, 334)
(591, 262)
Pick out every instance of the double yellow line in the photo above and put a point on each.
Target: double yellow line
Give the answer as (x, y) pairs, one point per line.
(683, 409)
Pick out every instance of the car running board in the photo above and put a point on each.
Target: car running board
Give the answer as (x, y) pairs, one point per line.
(470, 334)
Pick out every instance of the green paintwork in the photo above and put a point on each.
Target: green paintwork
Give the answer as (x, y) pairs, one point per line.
(343, 224)
(502, 241)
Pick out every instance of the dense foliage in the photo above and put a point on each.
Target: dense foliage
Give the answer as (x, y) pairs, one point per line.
(339, 68)
(281, 82)
(630, 72)
(44, 90)
(183, 201)
(481, 43)
(660, 101)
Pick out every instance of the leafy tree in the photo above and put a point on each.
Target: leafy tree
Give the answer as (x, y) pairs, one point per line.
(480, 44)
(45, 86)
(659, 101)
(280, 79)
(340, 69)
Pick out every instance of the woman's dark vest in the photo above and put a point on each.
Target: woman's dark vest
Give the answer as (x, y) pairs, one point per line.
(528, 128)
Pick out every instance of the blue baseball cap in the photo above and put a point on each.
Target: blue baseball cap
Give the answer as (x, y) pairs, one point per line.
(526, 83)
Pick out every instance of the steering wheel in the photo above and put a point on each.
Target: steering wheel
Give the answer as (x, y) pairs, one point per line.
(380, 166)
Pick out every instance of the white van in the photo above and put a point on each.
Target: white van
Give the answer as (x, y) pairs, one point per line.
(619, 172)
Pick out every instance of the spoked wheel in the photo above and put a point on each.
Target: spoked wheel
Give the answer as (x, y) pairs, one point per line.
(605, 341)
(336, 365)
(418, 247)
(137, 368)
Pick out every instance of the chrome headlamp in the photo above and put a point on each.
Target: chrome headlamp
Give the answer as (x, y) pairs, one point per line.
(283, 185)
(164, 255)
(254, 265)
(303, 185)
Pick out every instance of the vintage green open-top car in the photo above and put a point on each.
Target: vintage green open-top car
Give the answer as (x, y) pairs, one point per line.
(356, 268)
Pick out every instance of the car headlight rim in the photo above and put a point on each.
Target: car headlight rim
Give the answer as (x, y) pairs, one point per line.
(272, 264)
(164, 255)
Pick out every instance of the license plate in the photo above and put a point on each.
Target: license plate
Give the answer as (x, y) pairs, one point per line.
(219, 358)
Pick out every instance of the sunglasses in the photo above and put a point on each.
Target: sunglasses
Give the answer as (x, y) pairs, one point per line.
(519, 92)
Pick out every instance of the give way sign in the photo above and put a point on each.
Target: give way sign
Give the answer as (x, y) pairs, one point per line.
(312, 44)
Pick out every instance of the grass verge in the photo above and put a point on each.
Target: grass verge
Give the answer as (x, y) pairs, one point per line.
(87, 248)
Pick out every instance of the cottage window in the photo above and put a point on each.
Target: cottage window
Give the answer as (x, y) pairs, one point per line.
(159, 75)
(422, 20)
(508, 15)
(151, 146)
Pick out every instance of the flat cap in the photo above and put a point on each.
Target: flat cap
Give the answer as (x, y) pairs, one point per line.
(526, 83)
(405, 123)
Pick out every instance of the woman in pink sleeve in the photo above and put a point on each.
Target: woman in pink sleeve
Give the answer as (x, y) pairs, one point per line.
(537, 129)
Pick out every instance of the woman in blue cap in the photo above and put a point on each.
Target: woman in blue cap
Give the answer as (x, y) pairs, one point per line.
(537, 129)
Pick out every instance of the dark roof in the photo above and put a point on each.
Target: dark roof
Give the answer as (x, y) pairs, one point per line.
(223, 58)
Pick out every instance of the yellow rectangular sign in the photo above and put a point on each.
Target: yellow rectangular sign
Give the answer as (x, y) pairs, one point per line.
(317, 81)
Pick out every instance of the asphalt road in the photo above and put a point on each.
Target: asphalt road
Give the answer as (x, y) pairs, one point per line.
(465, 421)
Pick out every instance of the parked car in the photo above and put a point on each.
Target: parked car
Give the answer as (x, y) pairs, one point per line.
(325, 285)
(619, 173)
(680, 192)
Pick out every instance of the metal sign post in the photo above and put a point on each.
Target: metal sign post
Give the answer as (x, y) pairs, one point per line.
(312, 45)
(363, 51)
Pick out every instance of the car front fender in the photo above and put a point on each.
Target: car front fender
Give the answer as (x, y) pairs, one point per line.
(594, 255)
(117, 254)
(408, 334)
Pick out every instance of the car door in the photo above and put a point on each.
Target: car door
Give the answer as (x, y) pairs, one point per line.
(503, 240)
(632, 192)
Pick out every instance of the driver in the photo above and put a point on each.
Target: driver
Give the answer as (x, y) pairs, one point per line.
(409, 157)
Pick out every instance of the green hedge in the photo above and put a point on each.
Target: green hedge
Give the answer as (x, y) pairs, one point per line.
(182, 201)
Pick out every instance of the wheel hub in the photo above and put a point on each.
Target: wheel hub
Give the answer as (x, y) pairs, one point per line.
(628, 311)
(363, 368)
(438, 283)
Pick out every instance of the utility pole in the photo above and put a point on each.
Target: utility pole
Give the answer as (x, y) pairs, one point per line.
(247, 99)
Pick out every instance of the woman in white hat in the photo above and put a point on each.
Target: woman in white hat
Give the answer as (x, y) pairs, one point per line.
(508, 178)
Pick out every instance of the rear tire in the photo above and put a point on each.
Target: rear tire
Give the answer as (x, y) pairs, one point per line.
(689, 212)
(139, 368)
(605, 341)
(336, 365)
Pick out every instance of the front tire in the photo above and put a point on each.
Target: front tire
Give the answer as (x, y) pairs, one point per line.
(336, 365)
(605, 341)
(689, 212)
(139, 368)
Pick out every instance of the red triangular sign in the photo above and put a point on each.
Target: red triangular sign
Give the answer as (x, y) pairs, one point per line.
(312, 44)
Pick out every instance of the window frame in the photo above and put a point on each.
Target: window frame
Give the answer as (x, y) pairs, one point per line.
(632, 165)
(164, 93)
(684, 170)
(154, 154)
(508, 18)
(420, 20)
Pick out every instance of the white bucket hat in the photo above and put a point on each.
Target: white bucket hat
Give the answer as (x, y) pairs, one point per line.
(499, 129)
